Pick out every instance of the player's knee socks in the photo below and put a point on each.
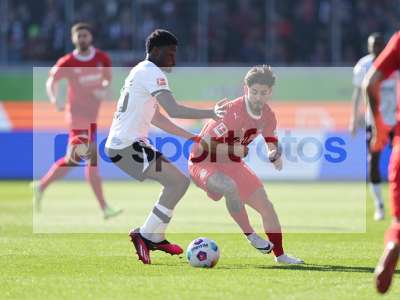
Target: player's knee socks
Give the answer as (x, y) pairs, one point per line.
(92, 176)
(276, 239)
(156, 223)
(57, 171)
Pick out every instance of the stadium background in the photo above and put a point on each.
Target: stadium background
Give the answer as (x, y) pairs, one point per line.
(315, 43)
(328, 224)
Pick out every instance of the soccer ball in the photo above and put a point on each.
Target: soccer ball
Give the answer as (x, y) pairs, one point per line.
(202, 252)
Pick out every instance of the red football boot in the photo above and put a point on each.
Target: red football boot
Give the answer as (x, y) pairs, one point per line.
(140, 245)
(164, 246)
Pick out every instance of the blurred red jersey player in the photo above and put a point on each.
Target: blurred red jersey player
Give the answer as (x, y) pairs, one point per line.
(88, 73)
(384, 65)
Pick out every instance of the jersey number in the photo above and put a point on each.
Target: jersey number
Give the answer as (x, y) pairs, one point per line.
(122, 108)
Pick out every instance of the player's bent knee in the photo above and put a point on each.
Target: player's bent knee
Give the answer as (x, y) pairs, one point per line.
(184, 183)
(179, 183)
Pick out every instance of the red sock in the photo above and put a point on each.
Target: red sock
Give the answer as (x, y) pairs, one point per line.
(57, 171)
(276, 239)
(393, 234)
(92, 175)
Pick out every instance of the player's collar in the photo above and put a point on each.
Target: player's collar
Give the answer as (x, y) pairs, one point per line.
(80, 57)
(248, 109)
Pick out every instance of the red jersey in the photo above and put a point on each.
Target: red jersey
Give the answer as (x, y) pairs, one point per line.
(239, 123)
(84, 74)
(389, 61)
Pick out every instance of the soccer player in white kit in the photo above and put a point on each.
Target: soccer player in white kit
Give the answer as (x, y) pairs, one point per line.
(145, 88)
(388, 109)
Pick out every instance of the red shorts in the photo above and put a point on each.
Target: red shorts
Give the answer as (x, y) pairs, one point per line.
(246, 180)
(394, 174)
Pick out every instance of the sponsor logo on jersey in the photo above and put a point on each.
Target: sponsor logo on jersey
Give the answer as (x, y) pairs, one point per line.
(220, 130)
(161, 81)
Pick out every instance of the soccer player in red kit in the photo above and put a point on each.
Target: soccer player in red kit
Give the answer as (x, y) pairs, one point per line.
(384, 65)
(88, 72)
(216, 164)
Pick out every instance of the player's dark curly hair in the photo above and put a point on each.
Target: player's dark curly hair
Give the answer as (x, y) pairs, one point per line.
(159, 38)
(262, 74)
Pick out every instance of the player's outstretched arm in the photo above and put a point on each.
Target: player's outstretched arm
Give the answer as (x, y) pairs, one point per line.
(176, 110)
(372, 85)
(52, 91)
(355, 115)
(162, 122)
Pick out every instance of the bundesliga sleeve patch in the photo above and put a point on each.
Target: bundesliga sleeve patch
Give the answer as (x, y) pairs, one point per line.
(161, 81)
(220, 130)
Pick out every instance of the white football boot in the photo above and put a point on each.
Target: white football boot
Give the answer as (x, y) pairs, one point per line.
(264, 246)
(379, 214)
(287, 259)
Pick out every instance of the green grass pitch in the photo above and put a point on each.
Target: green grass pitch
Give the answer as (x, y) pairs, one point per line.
(103, 265)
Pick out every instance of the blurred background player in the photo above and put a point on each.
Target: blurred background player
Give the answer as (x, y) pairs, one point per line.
(128, 146)
(88, 72)
(360, 118)
(227, 175)
(384, 65)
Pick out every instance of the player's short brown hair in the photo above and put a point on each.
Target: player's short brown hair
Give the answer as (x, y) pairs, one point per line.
(262, 74)
(81, 25)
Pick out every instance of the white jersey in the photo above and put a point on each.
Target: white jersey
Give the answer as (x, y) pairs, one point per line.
(136, 105)
(388, 103)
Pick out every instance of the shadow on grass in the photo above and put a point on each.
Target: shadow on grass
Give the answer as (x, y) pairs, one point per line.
(307, 267)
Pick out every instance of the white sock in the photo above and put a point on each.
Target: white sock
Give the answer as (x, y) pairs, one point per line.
(377, 194)
(163, 209)
(150, 226)
(154, 227)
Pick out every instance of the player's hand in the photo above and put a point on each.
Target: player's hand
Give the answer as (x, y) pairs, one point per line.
(275, 157)
(380, 135)
(220, 108)
(241, 151)
(356, 123)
